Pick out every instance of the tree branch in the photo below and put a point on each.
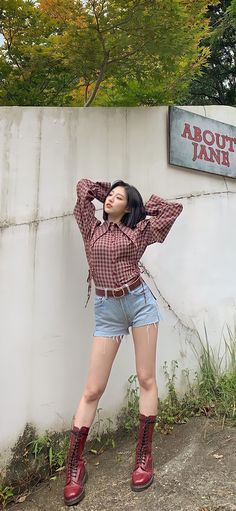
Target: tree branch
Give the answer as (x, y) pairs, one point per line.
(201, 94)
(126, 55)
(105, 59)
(100, 77)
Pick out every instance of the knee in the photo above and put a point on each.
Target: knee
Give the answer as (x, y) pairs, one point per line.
(93, 393)
(147, 382)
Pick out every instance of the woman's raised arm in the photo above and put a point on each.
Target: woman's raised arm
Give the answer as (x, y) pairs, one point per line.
(162, 214)
(84, 210)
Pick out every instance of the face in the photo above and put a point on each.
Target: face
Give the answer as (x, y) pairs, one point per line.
(116, 203)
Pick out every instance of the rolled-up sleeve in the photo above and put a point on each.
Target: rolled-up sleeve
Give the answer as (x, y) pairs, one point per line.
(84, 210)
(162, 214)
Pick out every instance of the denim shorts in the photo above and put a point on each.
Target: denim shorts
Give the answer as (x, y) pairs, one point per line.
(114, 316)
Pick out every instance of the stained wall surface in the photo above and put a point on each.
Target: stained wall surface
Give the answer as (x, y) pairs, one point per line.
(45, 330)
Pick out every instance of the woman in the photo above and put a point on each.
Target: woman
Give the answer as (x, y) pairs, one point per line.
(122, 300)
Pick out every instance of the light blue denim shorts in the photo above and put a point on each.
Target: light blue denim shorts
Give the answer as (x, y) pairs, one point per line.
(114, 316)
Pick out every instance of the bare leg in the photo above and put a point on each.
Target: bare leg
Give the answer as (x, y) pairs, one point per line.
(103, 353)
(145, 341)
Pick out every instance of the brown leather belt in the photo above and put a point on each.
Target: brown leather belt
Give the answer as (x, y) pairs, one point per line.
(119, 291)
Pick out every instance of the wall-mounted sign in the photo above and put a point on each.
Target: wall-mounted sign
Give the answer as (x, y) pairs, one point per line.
(200, 143)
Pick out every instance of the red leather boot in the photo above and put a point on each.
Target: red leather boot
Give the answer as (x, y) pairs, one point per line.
(143, 475)
(76, 474)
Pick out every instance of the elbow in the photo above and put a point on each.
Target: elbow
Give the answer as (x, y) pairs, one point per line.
(178, 209)
(81, 184)
(76, 211)
(82, 188)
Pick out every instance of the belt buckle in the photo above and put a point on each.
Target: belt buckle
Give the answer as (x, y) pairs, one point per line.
(117, 289)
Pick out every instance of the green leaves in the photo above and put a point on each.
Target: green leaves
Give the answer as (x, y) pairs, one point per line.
(216, 83)
(100, 52)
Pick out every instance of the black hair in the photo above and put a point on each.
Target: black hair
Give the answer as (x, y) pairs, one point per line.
(134, 203)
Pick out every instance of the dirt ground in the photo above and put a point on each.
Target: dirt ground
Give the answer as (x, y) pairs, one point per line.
(195, 470)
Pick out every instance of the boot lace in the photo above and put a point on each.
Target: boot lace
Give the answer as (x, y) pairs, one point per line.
(142, 447)
(72, 463)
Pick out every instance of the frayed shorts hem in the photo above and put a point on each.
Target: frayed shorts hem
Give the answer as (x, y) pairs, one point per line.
(155, 322)
(101, 334)
(115, 336)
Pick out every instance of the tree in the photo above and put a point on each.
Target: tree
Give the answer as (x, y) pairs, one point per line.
(100, 52)
(217, 82)
(33, 70)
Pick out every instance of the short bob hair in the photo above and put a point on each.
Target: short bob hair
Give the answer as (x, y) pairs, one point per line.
(134, 203)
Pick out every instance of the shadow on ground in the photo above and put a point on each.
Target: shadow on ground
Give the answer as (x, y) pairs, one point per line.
(195, 470)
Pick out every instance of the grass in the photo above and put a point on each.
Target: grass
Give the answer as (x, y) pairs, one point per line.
(215, 385)
(35, 459)
(102, 433)
(41, 457)
(212, 392)
(6, 495)
(51, 449)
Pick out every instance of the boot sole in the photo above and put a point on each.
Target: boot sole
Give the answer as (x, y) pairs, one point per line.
(76, 500)
(143, 487)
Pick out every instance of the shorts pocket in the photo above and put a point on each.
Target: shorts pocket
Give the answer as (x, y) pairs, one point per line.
(138, 291)
(99, 300)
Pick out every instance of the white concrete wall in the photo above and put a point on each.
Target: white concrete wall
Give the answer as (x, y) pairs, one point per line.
(45, 331)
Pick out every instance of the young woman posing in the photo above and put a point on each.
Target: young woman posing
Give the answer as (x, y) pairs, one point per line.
(122, 300)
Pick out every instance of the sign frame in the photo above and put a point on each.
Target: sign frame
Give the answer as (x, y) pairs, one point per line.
(201, 144)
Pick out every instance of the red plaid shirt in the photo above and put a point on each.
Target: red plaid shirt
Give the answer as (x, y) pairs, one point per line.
(113, 250)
